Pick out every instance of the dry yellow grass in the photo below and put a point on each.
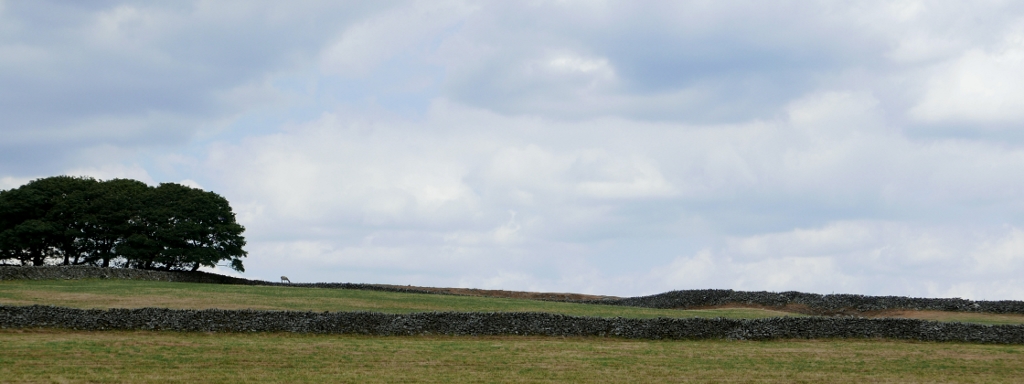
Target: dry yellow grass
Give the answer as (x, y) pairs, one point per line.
(39, 355)
(138, 294)
(70, 356)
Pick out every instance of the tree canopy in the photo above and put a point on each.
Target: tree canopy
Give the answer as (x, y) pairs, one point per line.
(117, 223)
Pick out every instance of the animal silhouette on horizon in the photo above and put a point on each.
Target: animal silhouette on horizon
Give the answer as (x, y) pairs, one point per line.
(284, 279)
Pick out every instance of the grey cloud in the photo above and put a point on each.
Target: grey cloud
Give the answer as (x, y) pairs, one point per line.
(76, 75)
(739, 64)
(451, 183)
(544, 145)
(709, 62)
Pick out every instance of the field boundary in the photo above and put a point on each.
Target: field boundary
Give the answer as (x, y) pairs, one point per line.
(78, 272)
(811, 303)
(501, 323)
(807, 303)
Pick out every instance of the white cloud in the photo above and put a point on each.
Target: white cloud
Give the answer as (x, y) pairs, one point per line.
(191, 184)
(114, 171)
(124, 26)
(354, 171)
(435, 194)
(578, 74)
(581, 65)
(145, 76)
(365, 45)
(552, 145)
(586, 172)
(980, 86)
(13, 182)
(709, 270)
(873, 257)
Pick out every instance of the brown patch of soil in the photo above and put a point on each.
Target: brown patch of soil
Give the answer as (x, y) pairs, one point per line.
(792, 308)
(931, 315)
(504, 294)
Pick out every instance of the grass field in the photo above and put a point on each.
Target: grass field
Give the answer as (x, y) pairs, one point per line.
(963, 317)
(70, 356)
(50, 355)
(138, 294)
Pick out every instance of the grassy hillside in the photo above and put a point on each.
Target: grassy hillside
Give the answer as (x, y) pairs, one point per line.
(116, 293)
(30, 355)
(138, 294)
(116, 356)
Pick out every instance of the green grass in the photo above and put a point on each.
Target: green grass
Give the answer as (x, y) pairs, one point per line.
(72, 356)
(115, 293)
(53, 355)
(963, 317)
(138, 294)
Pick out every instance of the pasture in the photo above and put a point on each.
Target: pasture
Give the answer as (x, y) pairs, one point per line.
(94, 293)
(116, 293)
(56, 355)
(69, 356)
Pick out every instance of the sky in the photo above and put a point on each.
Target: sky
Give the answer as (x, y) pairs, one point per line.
(608, 147)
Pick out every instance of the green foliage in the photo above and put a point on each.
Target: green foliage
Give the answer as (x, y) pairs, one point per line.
(37, 221)
(120, 222)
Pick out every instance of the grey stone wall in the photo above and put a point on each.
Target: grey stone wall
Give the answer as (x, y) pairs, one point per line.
(90, 272)
(461, 323)
(815, 303)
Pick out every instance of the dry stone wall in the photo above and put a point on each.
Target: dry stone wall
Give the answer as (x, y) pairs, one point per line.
(815, 303)
(90, 272)
(479, 324)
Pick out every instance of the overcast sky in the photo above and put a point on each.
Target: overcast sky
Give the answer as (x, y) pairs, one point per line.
(619, 148)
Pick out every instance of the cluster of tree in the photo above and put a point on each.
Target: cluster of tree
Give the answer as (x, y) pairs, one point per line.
(117, 223)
